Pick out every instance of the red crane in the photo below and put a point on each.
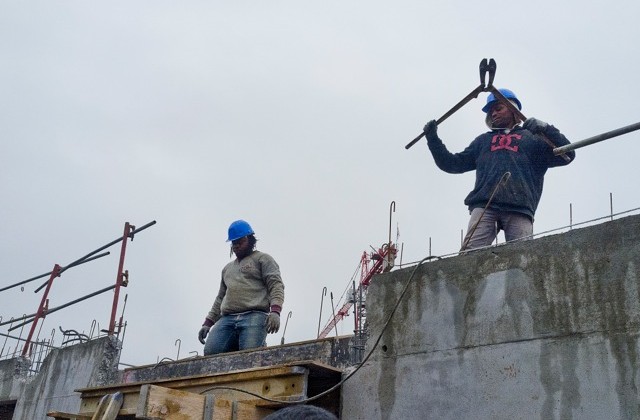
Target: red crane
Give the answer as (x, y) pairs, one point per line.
(370, 264)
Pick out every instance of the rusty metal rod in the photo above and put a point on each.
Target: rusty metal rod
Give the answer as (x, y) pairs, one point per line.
(17, 319)
(76, 262)
(44, 304)
(324, 293)
(596, 139)
(122, 276)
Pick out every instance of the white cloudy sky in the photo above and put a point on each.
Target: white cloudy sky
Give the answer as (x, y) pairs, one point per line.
(292, 115)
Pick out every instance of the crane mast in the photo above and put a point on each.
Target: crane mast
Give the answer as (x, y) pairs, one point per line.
(371, 264)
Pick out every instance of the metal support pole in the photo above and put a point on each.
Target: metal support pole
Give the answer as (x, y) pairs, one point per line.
(286, 322)
(78, 261)
(324, 293)
(42, 308)
(596, 139)
(128, 229)
(611, 205)
(333, 310)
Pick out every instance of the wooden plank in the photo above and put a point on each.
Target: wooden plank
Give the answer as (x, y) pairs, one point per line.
(196, 380)
(291, 386)
(237, 410)
(115, 402)
(222, 410)
(157, 402)
(61, 415)
(289, 382)
(102, 407)
(109, 407)
(246, 411)
(209, 403)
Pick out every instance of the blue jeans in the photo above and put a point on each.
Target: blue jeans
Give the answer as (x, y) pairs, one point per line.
(233, 332)
(515, 226)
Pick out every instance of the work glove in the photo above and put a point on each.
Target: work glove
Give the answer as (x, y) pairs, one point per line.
(535, 126)
(273, 322)
(202, 334)
(431, 130)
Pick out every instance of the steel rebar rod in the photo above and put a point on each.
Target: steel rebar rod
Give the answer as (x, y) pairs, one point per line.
(49, 273)
(73, 302)
(12, 320)
(596, 139)
(22, 339)
(76, 262)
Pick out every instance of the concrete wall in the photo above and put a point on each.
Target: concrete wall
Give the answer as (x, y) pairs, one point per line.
(64, 370)
(13, 377)
(542, 329)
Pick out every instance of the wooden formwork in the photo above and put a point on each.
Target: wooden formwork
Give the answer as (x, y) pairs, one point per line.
(245, 394)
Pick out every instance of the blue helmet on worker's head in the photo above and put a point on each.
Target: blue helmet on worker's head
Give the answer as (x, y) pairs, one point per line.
(239, 229)
(491, 99)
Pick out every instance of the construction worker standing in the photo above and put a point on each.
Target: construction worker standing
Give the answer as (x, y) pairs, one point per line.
(510, 163)
(250, 298)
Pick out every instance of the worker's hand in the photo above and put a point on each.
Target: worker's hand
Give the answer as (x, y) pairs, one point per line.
(431, 130)
(202, 334)
(273, 322)
(535, 126)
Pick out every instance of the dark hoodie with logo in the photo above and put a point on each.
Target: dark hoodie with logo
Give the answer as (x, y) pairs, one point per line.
(517, 151)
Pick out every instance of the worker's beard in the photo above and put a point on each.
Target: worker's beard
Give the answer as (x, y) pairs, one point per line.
(243, 252)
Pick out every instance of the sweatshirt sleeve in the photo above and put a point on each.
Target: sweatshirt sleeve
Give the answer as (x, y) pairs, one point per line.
(214, 314)
(558, 139)
(273, 280)
(453, 163)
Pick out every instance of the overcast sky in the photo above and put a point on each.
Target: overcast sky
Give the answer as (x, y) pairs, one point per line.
(291, 115)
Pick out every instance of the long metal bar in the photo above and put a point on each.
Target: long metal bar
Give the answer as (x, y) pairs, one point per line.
(12, 320)
(485, 66)
(49, 273)
(22, 339)
(596, 139)
(355, 309)
(503, 180)
(474, 94)
(324, 293)
(76, 262)
(73, 302)
(41, 308)
(120, 276)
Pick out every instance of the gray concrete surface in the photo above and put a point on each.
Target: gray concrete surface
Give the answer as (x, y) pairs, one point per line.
(64, 370)
(333, 351)
(542, 329)
(12, 374)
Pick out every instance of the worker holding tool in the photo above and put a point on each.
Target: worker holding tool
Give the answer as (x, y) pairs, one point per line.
(250, 298)
(510, 163)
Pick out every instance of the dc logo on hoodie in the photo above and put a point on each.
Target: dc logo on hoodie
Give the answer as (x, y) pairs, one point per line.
(503, 141)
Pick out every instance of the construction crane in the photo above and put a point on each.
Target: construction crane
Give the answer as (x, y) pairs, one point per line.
(371, 264)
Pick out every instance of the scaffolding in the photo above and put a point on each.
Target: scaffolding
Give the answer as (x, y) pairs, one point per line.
(30, 345)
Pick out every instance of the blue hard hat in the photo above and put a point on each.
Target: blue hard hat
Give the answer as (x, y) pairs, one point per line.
(239, 229)
(491, 99)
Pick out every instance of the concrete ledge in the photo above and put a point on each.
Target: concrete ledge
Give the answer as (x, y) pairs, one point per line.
(330, 351)
(546, 328)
